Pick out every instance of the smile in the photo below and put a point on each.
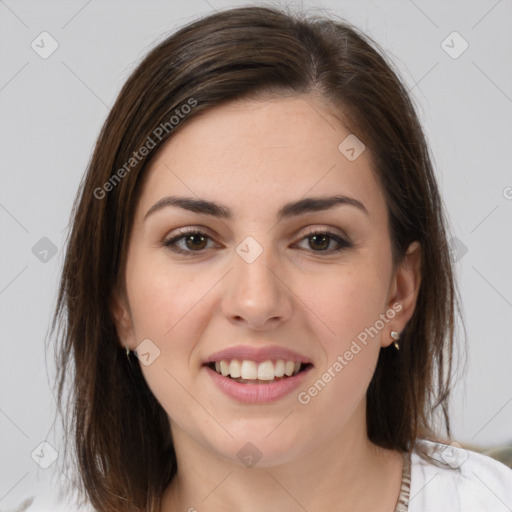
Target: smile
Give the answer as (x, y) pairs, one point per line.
(252, 372)
(257, 374)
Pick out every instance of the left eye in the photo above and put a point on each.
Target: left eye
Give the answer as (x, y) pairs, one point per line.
(196, 241)
(322, 240)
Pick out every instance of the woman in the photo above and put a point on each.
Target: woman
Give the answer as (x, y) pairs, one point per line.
(257, 303)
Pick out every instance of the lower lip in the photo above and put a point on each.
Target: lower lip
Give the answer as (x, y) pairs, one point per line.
(257, 393)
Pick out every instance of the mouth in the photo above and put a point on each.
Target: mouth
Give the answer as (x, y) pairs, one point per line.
(246, 371)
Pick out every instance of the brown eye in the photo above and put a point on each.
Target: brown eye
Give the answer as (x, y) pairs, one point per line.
(193, 241)
(319, 241)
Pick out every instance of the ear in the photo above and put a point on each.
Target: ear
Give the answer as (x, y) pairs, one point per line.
(404, 288)
(122, 319)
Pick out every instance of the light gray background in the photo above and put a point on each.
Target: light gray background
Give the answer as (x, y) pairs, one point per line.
(51, 111)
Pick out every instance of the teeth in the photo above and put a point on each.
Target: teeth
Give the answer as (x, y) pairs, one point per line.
(248, 370)
(279, 371)
(235, 369)
(266, 371)
(224, 368)
(289, 366)
(251, 370)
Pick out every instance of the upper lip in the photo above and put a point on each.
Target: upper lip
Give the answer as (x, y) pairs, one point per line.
(257, 354)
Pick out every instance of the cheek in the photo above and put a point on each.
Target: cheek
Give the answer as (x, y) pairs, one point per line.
(168, 309)
(349, 305)
(347, 300)
(162, 300)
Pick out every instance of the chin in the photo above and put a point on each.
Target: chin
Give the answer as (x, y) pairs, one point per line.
(262, 447)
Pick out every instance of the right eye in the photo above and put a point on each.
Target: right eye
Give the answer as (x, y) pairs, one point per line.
(192, 238)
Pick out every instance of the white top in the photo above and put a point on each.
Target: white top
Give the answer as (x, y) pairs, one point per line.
(468, 482)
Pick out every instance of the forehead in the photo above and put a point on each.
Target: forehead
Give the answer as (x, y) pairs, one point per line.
(257, 152)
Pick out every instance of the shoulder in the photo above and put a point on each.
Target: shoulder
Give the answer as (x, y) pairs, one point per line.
(42, 490)
(455, 479)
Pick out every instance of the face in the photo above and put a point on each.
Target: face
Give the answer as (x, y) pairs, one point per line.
(249, 282)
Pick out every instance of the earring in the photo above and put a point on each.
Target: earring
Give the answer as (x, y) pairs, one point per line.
(396, 336)
(128, 355)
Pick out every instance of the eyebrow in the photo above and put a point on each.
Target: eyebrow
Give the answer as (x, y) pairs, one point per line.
(302, 206)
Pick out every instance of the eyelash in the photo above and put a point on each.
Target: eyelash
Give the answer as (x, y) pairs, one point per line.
(171, 243)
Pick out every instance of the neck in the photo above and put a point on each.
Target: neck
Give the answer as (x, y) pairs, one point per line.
(345, 470)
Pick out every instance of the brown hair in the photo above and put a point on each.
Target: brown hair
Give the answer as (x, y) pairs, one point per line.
(119, 432)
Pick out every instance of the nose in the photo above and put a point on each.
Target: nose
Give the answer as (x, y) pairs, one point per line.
(256, 295)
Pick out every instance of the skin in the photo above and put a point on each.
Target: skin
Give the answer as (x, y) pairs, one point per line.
(253, 156)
